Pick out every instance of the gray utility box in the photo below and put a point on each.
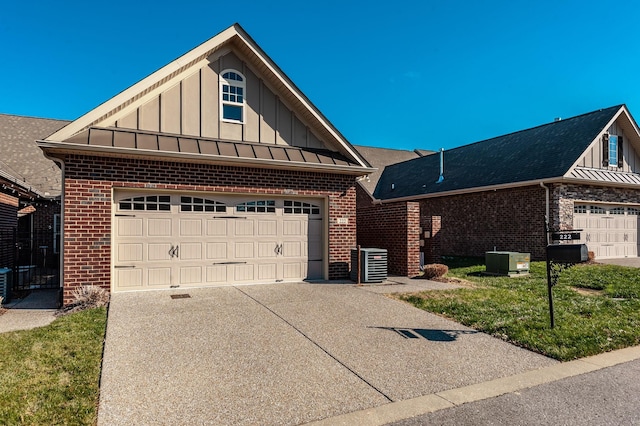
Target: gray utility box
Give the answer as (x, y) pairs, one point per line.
(5, 284)
(373, 265)
(507, 263)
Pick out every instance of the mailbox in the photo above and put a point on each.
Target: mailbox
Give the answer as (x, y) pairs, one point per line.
(567, 253)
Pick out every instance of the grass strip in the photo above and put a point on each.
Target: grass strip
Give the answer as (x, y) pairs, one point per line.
(50, 375)
(516, 309)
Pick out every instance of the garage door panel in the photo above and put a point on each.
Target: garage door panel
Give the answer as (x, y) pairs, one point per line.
(190, 251)
(159, 227)
(243, 273)
(217, 251)
(267, 249)
(129, 278)
(190, 275)
(217, 227)
(244, 250)
(159, 251)
(217, 274)
(159, 277)
(292, 249)
(190, 227)
(292, 270)
(267, 271)
(608, 230)
(267, 228)
(129, 227)
(244, 227)
(129, 252)
(292, 227)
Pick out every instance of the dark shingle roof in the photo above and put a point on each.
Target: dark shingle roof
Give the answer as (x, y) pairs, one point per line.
(541, 152)
(382, 157)
(22, 159)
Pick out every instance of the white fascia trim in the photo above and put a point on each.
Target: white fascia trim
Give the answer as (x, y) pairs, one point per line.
(203, 158)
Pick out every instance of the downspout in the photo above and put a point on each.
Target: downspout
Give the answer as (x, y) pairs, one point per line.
(60, 162)
(546, 189)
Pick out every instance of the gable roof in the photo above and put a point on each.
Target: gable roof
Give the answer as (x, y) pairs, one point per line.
(233, 39)
(22, 162)
(379, 158)
(545, 152)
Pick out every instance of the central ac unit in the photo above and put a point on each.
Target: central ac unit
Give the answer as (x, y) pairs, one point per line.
(373, 265)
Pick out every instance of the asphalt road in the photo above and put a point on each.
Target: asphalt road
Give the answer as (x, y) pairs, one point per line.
(610, 396)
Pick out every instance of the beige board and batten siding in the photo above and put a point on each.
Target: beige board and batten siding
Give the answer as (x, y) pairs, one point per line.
(169, 246)
(191, 108)
(592, 158)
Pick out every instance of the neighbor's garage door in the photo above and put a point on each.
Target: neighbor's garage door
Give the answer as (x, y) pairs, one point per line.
(165, 240)
(609, 231)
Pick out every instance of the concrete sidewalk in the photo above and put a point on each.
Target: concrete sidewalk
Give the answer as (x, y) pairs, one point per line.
(36, 310)
(285, 354)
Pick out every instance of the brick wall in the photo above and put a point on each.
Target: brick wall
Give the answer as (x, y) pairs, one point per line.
(393, 226)
(88, 188)
(507, 220)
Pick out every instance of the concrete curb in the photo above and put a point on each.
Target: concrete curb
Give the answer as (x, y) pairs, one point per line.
(401, 410)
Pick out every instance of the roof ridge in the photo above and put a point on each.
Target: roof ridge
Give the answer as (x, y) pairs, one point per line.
(564, 120)
(34, 117)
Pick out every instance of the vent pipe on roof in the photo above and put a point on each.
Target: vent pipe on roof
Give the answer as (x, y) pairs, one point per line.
(557, 119)
(441, 177)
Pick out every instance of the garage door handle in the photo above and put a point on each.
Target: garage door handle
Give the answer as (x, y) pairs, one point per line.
(123, 266)
(229, 217)
(230, 263)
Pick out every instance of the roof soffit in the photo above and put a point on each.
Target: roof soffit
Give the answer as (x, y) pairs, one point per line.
(234, 39)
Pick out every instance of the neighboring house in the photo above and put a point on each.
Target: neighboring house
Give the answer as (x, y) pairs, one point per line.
(30, 187)
(582, 173)
(213, 170)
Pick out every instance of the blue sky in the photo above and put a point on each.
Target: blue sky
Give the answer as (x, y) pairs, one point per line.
(413, 74)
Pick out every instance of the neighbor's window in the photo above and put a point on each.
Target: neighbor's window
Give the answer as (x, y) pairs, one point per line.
(613, 150)
(232, 95)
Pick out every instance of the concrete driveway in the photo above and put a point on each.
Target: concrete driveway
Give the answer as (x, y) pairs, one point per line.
(283, 354)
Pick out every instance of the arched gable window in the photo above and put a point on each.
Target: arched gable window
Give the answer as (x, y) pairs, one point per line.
(232, 96)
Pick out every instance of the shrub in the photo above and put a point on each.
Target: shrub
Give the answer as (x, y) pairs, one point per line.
(435, 270)
(86, 297)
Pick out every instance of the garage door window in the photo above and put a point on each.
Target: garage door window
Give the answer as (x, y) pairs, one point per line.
(617, 210)
(262, 206)
(597, 210)
(632, 211)
(148, 203)
(298, 207)
(581, 209)
(196, 204)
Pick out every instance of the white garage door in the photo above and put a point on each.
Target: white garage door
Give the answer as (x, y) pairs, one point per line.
(170, 240)
(609, 231)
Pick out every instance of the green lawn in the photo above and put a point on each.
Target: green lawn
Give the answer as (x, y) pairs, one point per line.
(50, 375)
(604, 317)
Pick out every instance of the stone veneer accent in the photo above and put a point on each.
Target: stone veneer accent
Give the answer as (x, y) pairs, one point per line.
(90, 180)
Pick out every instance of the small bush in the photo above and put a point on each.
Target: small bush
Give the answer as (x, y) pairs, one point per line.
(86, 297)
(435, 270)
